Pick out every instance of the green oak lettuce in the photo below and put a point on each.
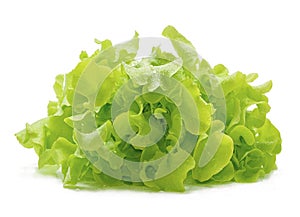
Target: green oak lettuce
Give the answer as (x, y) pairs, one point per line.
(249, 141)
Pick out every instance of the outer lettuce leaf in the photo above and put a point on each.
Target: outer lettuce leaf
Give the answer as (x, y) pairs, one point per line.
(226, 174)
(219, 161)
(173, 181)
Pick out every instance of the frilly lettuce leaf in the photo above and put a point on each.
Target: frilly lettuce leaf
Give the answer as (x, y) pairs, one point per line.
(219, 161)
(173, 181)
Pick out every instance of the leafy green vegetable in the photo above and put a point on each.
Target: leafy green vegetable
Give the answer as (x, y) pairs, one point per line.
(165, 90)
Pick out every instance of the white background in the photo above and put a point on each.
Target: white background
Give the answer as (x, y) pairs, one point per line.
(40, 39)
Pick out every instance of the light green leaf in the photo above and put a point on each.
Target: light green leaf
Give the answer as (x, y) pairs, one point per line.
(220, 159)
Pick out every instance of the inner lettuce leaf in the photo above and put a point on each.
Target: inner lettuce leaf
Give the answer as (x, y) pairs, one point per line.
(249, 141)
